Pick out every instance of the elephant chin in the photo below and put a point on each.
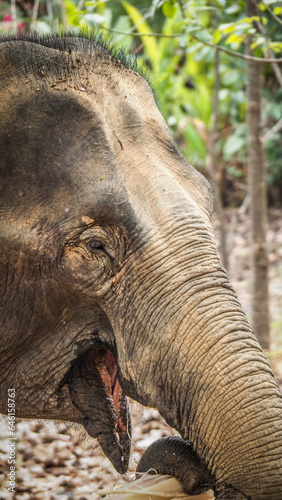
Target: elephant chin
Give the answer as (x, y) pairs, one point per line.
(175, 457)
(96, 392)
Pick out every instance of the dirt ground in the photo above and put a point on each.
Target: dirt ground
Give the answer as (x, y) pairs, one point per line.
(55, 461)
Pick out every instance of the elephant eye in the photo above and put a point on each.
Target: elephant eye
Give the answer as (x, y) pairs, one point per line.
(93, 244)
(97, 238)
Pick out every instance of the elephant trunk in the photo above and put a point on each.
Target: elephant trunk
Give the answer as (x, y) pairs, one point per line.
(223, 399)
(204, 370)
(233, 409)
(175, 457)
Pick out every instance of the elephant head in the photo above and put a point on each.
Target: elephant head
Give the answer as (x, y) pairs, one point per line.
(110, 280)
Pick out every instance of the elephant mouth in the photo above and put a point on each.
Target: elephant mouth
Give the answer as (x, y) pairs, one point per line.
(95, 390)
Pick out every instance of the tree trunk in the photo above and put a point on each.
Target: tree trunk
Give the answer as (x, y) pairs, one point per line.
(257, 189)
(213, 168)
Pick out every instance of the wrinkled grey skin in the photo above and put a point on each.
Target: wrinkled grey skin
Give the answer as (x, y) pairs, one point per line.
(169, 455)
(107, 252)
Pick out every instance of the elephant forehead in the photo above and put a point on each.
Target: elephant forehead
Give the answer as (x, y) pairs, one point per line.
(55, 154)
(87, 149)
(49, 140)
(42, 135)
(58, 172)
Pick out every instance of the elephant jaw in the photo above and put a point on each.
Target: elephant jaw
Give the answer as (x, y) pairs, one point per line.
(95, 390)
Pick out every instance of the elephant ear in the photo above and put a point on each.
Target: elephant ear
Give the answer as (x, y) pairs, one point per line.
(175, 457)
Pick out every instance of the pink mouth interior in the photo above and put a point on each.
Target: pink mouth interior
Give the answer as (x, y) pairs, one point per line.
(107, 368)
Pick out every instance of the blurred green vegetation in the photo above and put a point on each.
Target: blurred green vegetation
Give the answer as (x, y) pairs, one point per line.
(182, 64)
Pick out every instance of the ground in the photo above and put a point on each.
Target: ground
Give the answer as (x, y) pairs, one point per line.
(57, 462)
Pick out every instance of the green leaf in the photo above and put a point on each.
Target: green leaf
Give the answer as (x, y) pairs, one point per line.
(235, 172)
(195, 143)
(42, 28)
(217, 36)
(234, 39)
(193, 47)
(169, 8)
(228, 77)
(233, 9)
(141, 26)
(276, 46)
(223, 94)
(123, 24)
(260, 40)
(221, 3)
(93, 19)
(233, 145)
(227, 27)
(192, 26)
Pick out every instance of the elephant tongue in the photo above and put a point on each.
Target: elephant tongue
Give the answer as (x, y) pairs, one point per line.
(107, 368)
(96, 392)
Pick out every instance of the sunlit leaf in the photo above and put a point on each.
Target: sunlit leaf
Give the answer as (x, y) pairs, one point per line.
(233, 9)
(223, 94)
(42, 28)
(275, 46)
(93, 19)
(259, 41)
(141, 26)
(234, 39)
(192, 26)
(217, 36)
(204, 35)
(233, 145)
(221, 3)
(228, 77)
(195, 144)
(169, 8)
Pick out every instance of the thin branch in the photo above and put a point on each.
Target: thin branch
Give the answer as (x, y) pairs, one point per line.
(177, 35)
(14, 14)
(212, 162)
(237, 54)
(272, 14)
(22, 6)
(49, 11)
(270, 133)
(64, 13)
(181, 8)
(129, 33)
(269, 53)
(135, 26)
(34, 15)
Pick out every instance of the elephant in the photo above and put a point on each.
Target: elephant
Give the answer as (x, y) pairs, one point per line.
(111, 284)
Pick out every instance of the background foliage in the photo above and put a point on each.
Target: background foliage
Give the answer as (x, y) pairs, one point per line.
(184, 71)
